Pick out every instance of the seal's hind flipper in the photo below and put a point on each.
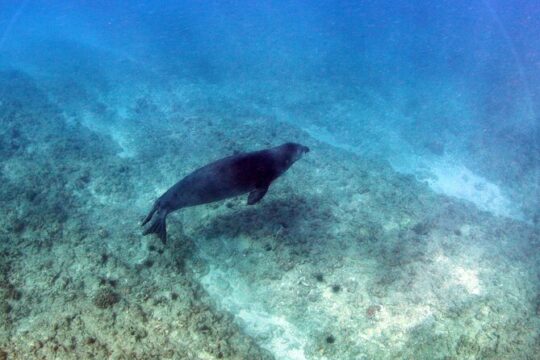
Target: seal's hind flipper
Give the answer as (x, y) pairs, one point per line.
(158, 226)
(150, 214)
(256, 195)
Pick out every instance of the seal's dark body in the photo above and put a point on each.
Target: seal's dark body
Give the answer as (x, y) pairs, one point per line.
(225, 178)
(229, 177)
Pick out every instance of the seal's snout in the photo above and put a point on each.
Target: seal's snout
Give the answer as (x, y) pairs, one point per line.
(300, 151)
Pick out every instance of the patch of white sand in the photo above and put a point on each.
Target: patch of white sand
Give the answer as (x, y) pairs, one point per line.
(468, 278)
(444, 175)
(273, 332)
(125, 142)
(460, 275)
(454, 179)
(120, 135)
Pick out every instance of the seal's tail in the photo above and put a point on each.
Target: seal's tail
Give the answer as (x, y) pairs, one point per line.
(159, 225)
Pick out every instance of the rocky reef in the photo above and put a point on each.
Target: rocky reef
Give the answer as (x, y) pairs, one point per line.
(344, 258)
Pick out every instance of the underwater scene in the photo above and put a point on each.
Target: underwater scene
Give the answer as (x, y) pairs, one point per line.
(267, 179)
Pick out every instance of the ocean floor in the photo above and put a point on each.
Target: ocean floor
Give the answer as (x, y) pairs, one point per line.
(363, 260)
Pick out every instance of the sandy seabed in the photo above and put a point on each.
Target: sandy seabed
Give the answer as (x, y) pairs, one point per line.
(345, 258)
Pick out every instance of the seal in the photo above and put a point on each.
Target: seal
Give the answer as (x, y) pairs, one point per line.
(251, 172)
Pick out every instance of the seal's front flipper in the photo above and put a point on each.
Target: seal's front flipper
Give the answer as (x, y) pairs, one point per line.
(159, 227)
(256, 195)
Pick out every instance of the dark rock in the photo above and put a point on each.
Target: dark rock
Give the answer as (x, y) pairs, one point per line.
(330, 339)
(422, 228)
(5, 308)
(148, 263)
(18, 226)
(13, 293)
(106, 298)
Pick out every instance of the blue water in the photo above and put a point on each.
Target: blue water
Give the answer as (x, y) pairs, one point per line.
(419, 199)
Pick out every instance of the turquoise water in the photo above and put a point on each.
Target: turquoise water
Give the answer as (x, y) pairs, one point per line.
(409, 231)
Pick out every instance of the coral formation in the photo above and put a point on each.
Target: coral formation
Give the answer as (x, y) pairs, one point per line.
(105, 298)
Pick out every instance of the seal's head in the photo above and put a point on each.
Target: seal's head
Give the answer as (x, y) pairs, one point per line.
(288, 153)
